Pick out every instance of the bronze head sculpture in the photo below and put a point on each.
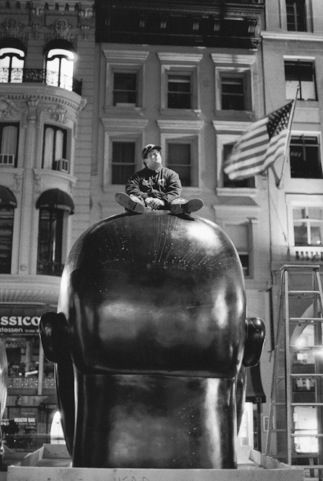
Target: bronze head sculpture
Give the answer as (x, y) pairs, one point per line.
(149, 343)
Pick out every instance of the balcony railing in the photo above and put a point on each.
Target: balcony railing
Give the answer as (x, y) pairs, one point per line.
(50, 268)
(42, 76)
(7, 160)
(306, 254)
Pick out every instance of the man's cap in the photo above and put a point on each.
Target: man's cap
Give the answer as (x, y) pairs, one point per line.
(148, 148)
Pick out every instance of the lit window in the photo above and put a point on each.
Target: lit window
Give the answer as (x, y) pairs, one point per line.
(11, 65)
(8, 144)
(300, 74)
(124, 88)
(239, 234)
(54, 149)
(249, 182)
(232, 92)
(59, 68)
(305, 159)
(179, 91)
(123, 161)
(296, 15)
(308, 226)
(179, 159)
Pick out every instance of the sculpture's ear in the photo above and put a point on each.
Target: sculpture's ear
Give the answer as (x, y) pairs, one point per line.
(53, 332)
(255, 336)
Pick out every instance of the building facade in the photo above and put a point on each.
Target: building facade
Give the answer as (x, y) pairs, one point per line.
(46, 49)
(83, 89)
(292, 53)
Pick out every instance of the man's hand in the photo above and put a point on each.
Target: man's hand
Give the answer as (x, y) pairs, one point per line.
(154, 203)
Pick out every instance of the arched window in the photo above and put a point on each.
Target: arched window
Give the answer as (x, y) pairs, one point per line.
(59, 68)
(7, 205)
(54, 205)
(11, 65)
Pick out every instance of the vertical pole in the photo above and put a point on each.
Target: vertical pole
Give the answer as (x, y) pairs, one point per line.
(287, 373)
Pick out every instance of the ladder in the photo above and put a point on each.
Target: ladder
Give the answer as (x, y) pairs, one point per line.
(295, 425)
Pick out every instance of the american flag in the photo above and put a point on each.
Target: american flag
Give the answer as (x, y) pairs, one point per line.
(260, 146)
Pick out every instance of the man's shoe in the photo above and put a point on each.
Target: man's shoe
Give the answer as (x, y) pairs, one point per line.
(188, 207)
(126, 201)
(193, 205)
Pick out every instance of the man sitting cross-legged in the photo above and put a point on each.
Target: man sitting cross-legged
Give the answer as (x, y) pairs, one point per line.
(155, 187)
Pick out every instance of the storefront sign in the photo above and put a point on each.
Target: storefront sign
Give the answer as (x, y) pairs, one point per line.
(19, 324)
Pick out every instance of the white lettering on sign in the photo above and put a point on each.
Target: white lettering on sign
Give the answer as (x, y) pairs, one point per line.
(21, 321)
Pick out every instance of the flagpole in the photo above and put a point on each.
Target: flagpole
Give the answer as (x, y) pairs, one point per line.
(286, 153)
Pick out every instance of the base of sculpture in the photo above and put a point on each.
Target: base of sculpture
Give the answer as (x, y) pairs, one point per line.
(106, 474)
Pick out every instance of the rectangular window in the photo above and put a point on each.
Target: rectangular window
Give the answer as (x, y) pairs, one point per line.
(249, 183)
(296, 15)
(179, 159)
(305, 158)
(54, 148)
(239, 234)
(123, 161)
(300, 74)
(50, 239)
(179, 91)
(124, 88)
(8, 144)
(232, 92)
(308, 226)
(6, 234)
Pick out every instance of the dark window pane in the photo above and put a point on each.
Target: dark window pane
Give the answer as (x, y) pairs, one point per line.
(6, 233)
(179, 159)
(232, 90)
(179, 91)
(123, 161)
(125, 88)
(305, 160)
(296, 15)
(50, 238)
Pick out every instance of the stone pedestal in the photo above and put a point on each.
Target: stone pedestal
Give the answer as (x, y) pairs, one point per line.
(16, 473)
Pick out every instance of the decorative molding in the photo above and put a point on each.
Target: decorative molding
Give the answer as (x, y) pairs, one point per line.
(234, 58)
(182, 57)
(179, 125)
(7, 108)
(126, 55)
(17, 182)
(124, 124)
(10, 27)
(32, 106)
(223, 126)
(299, 36)
(58, 113)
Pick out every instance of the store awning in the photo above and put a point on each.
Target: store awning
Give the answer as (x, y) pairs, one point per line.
(7, 198)
(55, 199)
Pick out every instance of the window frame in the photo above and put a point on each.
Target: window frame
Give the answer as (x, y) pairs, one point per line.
(309, 222)
(3, 125)
(184, 131)
(297, 82)
(245, 76)
(248, 251)
(131, 142)
(59, 77)
(115, 90)
(13, 53)
(296, 15)
(51, 163)
(10, 211)
(124, 61)
(223, 138)
(177, 166)
(186, 96)
(318, 145)
(55, 265)
(186, 64)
